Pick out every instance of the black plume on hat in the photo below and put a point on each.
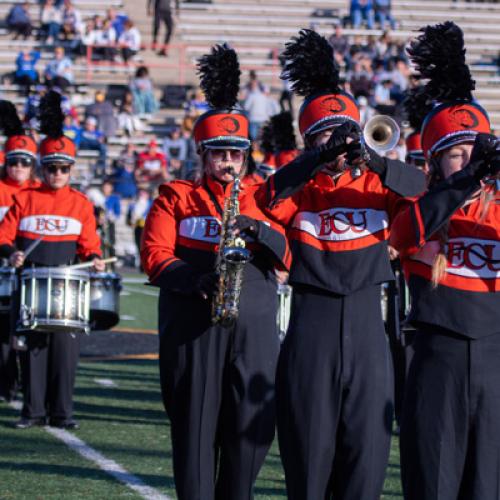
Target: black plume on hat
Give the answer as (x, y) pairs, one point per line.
(284, 134)
(219, 74)
(439, 55)
(416, 106)
(51, 115)
(10, 122)
(309, 64)
(267, 137)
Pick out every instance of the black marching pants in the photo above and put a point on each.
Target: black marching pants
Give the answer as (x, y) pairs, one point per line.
(218, 390)
(166, 17)
(450, 430)
(8, 361)
(335, 397)
(48, 371)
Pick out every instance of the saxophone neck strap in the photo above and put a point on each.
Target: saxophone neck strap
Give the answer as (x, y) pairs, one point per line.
(214, 199)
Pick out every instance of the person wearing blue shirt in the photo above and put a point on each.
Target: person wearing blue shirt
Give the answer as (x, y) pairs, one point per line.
(91, 138)
(25, 73)
(18, 20)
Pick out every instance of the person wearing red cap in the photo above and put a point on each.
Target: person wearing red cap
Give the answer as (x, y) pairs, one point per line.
(17, 174)
(217, 380)
(65, 219)
(449, 243)
(151, 166)
(334, 379)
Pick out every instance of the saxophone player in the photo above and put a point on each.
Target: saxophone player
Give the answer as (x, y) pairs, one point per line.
(217, 381)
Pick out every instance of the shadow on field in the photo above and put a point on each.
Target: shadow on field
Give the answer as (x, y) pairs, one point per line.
(275, 492)
(121, 370)
(104, 410)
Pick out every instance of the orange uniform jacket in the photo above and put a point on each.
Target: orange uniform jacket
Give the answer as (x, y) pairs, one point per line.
(339, 230)
(466, 300)
(65, 219)
(182, 234)
(8, 188)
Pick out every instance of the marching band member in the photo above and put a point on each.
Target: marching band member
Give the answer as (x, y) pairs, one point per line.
(449, 246)
(334, 381)
(285, 145)
(17, 174)
(217, 381)
(65, 219)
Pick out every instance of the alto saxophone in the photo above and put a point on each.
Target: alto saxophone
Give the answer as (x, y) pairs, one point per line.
(230, 263)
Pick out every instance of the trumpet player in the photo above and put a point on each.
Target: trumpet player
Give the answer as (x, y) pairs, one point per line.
(217, 380)
(334, 379)
(450, 251)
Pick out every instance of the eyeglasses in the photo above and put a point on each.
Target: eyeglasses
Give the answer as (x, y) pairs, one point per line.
(219, 155)
(53, 169)
(18, 161)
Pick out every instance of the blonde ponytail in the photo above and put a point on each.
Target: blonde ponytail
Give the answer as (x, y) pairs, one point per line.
(440, 262)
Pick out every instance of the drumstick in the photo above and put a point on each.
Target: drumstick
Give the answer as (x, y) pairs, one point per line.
(32, 246)
(90, 263)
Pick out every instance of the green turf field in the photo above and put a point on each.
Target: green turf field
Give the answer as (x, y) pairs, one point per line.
(125, 423)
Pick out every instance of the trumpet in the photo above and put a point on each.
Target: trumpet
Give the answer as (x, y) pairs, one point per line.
(381, 133)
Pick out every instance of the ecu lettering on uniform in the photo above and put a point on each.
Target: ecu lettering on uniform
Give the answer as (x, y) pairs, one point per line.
(342, 224)
(50, 225)
(175, 251)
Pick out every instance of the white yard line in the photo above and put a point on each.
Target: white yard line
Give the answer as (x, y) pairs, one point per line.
(105, 382)
(107, 465)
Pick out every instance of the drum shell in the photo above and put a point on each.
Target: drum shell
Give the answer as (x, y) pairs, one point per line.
(105, 291)
(54, 299)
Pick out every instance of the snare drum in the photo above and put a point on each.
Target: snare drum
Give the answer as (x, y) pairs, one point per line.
(8, 285)
(105, 291)
(54, 299)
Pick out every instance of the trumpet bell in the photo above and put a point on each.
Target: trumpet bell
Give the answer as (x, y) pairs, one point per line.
(381, 133)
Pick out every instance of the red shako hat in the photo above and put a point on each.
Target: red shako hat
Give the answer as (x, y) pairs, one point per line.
(17, 143)
(309, 65)
(439, 56)
(223, 126)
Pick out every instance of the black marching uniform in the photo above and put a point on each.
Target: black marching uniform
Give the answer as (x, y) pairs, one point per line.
(334, 381)
(217, 381)
(449, 242)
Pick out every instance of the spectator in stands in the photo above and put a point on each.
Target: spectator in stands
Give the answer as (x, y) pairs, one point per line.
(383, 14)
(384, 103)
(365, 110)
(339, 43)
(59, 71)
(51, 21)
(175, 149)
(18, 20)
(161, 10)
(151, 167)
(123, 177)
(143, 91)
(25, 73)
(196, 104)
(113, 209)
(91, 138)
(72, 25)
(104, 113)
(129, 41)
(72, 130)
(137, 214)
(107, 42)
(258, 107)
(362, 10)
(253, 82)
(360, 78)
(117, 21)
(127, 121)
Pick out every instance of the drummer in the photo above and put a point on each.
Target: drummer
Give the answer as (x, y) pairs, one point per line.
(18, 173)
(65, 219)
